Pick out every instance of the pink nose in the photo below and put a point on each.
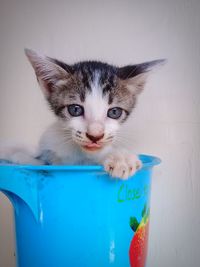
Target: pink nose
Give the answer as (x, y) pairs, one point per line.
(94, 138)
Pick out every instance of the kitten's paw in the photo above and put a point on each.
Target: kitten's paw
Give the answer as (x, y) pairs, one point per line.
(122, 165)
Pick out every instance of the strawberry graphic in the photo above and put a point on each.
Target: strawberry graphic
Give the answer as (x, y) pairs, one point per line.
(139, 243)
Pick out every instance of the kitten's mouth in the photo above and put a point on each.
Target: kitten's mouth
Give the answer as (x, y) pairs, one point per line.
(92, 147)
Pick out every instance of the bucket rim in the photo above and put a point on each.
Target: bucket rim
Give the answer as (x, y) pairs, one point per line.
(148, 161)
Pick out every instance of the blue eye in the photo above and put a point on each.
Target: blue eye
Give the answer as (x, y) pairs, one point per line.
(75, 110)
(115, 113)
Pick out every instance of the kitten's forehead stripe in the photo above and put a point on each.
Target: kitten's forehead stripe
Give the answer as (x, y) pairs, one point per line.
(89, 70)
(95, 72)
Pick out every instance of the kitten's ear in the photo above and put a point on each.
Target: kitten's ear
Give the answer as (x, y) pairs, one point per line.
(49, 74)
(134, 76)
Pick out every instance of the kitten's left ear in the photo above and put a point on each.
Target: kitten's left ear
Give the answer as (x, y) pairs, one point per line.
(49, 72)
(134, 76)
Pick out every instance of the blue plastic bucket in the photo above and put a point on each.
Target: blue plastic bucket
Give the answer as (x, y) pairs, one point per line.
(77, 216)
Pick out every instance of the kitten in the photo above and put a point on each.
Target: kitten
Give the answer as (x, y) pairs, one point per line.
(91, 100)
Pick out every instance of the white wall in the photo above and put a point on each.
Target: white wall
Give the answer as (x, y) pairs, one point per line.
(166, 122)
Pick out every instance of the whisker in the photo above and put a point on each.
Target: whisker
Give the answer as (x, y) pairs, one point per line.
(109, 137)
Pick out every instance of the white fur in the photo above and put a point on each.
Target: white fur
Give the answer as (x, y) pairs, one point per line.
(18, 155)
(117, 162)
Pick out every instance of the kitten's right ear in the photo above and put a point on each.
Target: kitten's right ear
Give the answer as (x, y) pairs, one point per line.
(49, 74)
(134, 76)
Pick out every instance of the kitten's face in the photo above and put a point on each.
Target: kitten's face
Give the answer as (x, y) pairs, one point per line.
(95, 103)
(92, 99)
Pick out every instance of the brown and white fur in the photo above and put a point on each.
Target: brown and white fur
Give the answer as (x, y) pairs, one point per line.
(91, 100)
